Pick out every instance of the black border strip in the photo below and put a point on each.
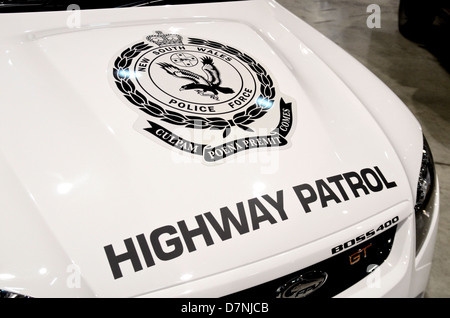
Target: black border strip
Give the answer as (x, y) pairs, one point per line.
(62, 5)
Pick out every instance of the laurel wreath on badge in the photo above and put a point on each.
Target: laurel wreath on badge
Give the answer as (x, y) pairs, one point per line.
(242, 119)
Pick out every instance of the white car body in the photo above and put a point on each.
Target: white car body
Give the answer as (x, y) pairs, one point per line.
(81, 177)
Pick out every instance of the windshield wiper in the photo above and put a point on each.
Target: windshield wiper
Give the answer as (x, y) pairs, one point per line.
(140, 3)
(10, 4)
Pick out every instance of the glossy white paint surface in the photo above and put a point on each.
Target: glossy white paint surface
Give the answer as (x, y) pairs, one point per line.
(76, 175)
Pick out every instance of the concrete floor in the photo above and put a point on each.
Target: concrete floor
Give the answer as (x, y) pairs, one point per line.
(414, 72)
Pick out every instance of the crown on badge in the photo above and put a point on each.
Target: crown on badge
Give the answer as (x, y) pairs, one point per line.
(162, 39)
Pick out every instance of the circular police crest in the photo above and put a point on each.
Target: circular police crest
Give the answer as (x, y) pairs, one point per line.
(194, 83)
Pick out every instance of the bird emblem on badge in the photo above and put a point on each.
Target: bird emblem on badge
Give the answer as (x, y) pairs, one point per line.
(204, 86)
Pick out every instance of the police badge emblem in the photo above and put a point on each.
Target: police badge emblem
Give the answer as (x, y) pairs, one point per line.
(200, 86)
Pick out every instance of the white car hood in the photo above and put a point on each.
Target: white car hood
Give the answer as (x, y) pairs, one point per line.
(83, 178)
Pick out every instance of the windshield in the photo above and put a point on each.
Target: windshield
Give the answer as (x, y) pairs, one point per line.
(49, 5)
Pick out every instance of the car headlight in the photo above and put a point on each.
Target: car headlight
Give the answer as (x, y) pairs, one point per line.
(425, 188)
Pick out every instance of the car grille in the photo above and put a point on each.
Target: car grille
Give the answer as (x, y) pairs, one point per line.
(331, 276)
